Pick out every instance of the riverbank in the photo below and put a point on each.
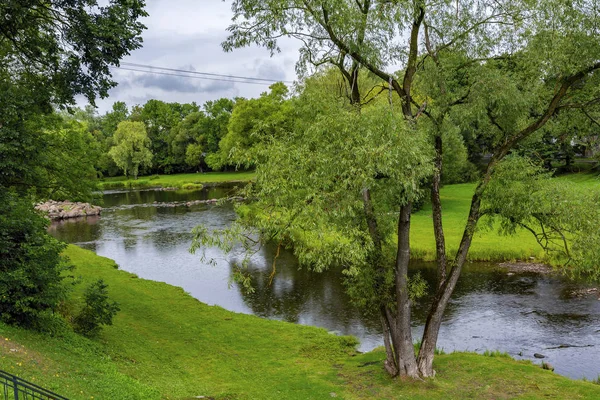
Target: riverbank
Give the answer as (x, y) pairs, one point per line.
(178, 181)
(166, 344)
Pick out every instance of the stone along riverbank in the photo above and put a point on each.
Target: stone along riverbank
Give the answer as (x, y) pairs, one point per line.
(67, 209)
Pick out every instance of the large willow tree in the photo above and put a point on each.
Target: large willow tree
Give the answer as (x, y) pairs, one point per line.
(500, 70)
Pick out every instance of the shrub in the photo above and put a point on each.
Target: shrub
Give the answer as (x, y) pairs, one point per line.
(97, 311)
(30, 263)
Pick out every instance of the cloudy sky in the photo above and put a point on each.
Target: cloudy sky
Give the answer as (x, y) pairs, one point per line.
(187, 35)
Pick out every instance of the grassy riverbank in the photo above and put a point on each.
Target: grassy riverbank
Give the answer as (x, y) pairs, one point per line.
(177, 180)
(487, 244)
(165, 344)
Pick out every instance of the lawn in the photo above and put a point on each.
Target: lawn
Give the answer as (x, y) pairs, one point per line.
(175, 180)
(487, 243)
(165, 344)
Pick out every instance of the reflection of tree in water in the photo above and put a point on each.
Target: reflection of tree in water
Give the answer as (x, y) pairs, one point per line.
(73, 230)
(477, 278)
(299, 295)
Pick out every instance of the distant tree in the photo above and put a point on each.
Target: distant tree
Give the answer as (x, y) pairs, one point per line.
(194, 155)
(252, 121)
(132, 148)
(189, 132)
(160, 119)
(218, 114)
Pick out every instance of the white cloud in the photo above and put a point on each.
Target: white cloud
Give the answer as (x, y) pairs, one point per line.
(189, 33)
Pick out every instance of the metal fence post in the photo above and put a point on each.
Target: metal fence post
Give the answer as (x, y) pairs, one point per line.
(15, 386)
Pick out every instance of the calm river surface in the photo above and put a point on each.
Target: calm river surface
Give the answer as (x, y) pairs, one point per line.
(521, 314)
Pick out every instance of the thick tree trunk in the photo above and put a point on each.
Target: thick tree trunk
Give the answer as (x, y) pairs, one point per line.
(403, 343)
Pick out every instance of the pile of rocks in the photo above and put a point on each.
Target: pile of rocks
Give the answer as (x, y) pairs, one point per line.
(67, 209)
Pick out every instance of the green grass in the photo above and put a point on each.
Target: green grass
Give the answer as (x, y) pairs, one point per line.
(176, 180)
(487, 245)
(165, 344)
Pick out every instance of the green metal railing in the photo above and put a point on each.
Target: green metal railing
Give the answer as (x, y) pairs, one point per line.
(15, 388)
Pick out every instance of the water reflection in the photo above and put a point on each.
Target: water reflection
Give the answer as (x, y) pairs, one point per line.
(491, 309)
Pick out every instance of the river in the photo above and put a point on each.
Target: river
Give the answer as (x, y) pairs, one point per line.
(491, 309)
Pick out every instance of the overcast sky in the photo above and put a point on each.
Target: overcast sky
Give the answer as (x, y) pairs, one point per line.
(187, 34)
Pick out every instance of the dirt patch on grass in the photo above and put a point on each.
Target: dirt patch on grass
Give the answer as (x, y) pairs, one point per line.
(14, 350)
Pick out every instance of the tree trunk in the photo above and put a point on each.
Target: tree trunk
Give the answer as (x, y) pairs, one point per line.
(436, 205)
(445, 290)
(403, 343)
(391, 363)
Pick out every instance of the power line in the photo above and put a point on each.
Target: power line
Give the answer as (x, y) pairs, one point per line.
(194, 77)
(246, 78)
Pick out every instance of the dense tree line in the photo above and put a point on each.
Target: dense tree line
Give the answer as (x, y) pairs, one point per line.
(222, 135)
(173, 138)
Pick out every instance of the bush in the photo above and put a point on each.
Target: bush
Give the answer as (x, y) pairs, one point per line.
(98, 310)
(30, 263)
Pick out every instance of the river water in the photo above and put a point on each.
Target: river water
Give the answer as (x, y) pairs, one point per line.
(149, 232)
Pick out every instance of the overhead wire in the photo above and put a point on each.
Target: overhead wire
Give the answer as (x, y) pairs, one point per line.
(191, 76)
(196, 74)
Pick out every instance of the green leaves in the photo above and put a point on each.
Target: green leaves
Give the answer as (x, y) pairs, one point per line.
(30, 263)
(132, 147)
(97, 311)
(562, 217)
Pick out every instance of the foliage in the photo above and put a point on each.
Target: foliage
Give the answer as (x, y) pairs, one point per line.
(310, 184)
(160, 118)
(497, 72)
(50, 52)
(30, 263)
(252, 122)
(97, 311)
(132, 148)
(457, 166)
(562, 218)
(63, 49)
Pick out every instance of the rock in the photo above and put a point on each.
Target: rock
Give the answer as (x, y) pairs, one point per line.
(538, 355)
(547, 366)
(67, 209)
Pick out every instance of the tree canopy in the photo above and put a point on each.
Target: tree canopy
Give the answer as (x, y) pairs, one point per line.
(50, 52)
(132, 148)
